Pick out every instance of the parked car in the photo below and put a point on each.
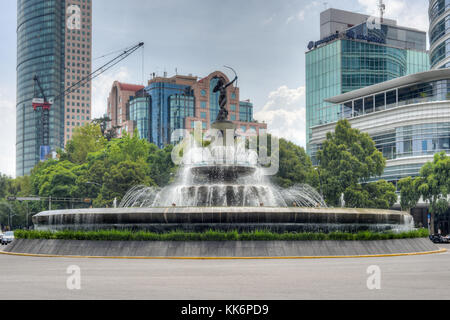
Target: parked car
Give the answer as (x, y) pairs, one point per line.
(7, 237)
(437, 238)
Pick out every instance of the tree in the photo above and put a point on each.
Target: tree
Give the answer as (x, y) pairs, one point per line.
(347, 158)
(378, 195)
(433, 184)
(409, 193)
(120, 178)
(161, 166)
(295, 166)
(85, 140)
(4, 182)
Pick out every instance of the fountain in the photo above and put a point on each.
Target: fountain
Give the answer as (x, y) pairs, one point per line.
(224, 187)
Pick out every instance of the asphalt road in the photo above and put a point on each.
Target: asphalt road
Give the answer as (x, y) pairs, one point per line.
(413, 277)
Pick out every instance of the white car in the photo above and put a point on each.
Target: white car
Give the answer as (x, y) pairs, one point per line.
(7, 237)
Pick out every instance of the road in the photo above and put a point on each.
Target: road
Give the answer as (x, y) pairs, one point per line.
(412, 277)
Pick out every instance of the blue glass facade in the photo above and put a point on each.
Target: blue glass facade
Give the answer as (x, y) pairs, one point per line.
(162, 110)
(439, 15)
(140, 114)
(246, 111)
(349, 63)
(40, 51)
(408, 123)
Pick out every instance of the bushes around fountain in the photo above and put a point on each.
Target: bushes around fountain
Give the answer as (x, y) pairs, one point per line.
(212, 235)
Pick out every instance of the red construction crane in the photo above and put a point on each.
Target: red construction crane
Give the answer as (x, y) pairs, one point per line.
(42, 104)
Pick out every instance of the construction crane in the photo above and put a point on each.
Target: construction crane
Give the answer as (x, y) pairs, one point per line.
(41, 103)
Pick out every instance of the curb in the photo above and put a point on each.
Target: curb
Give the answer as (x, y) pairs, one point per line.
(227, 258)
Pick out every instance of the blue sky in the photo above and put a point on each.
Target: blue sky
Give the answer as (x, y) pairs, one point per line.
(265, 41)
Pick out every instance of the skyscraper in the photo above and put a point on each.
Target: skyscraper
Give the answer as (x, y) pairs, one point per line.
(353, 54)
(78, 64)
(439, 34)
(53, 43)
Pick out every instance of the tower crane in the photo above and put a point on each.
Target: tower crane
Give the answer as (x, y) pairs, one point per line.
(44, 105)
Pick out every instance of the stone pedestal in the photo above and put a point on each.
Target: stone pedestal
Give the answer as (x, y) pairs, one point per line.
(224, 126)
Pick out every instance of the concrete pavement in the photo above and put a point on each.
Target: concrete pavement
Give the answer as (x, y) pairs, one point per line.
(412, 277)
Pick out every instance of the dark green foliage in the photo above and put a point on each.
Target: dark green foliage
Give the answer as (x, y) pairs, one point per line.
(259, 235)
(378, 195)
(347, 160)
(295, 166)
(433, 184)
(92, 167)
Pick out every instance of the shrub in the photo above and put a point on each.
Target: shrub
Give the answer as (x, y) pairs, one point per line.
(214, 235)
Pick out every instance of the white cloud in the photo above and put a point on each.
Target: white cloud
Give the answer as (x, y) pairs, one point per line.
(101, 88)
(300, 16)
(285, 114)
(407, 13)
(8, 134)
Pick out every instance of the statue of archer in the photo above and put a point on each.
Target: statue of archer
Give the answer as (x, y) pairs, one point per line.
(222, 88)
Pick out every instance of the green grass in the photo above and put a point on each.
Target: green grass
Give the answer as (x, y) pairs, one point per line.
(260, 235)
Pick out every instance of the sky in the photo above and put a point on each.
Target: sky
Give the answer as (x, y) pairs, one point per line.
(264, 41)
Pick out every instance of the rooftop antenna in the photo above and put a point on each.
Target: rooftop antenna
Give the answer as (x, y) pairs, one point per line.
(382, 8)
(325, 4)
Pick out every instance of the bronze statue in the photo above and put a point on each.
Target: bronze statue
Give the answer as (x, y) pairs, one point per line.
(222, 88)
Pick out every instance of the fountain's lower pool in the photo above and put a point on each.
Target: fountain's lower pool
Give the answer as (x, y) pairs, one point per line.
(200, 219)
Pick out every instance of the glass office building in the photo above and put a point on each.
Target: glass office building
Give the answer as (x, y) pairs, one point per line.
(138, 109)
(439, 15)
(408, 118)
(179, 102)
(354, 59)
(40, 51)
(169, 106)
(60, 56)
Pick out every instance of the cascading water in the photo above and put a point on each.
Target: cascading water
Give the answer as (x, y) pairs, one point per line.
(222, 177)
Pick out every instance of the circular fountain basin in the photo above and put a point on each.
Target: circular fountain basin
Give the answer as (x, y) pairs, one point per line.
(225, 218)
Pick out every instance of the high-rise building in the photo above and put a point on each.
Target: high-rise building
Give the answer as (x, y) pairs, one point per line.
(53, 43)
(78, 64)
(439, 16)
(354, 53)
(408, 117)
(117, 107)
(171, 103)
